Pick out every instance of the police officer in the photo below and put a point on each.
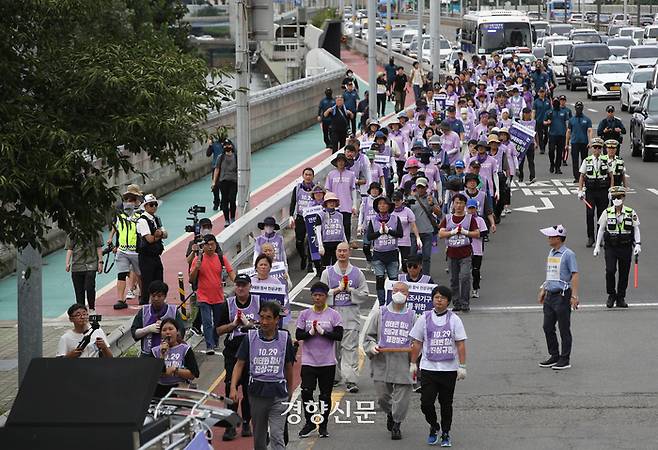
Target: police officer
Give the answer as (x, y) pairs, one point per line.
(326, 103)
(615, 163)
(611, 127)
(557, 119)
(558, 295)
(579, 132)
(149, 245)
(595, 178)
(619, 228)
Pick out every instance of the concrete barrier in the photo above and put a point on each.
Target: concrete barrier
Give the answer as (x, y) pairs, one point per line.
(276, 113)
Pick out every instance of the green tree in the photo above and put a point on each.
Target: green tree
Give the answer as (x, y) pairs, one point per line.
(80, 79)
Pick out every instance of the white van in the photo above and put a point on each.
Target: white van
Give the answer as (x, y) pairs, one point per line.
(650, 35)
(407, 37)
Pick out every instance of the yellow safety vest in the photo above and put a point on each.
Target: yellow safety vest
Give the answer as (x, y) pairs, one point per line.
(127, 231)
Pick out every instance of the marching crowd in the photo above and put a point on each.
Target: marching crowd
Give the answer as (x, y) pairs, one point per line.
(435, 178)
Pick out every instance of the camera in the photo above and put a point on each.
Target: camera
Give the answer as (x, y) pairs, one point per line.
(194, 228)
(94, 320)
(108, 249)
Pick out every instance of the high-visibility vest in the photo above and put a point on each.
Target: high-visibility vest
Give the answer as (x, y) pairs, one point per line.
(127, 232)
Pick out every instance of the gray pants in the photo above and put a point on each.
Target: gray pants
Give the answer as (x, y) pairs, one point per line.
(267, 411)
(347, 357)
(460, 281)
(394, 399)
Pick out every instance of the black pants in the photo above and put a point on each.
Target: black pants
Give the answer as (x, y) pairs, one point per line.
(578, 154)
(326, 135)
(530, 157)
(353, 128)
(329, 257)
(215, 196)
(476, 265)
(502, 195)
(399, 168)
(555, 149)
(404, 254)
(300, 238)
(442, 384)
(557, 309)
(338, 138)
(598, 198)
(229, 364)
(347, 225)
(229, 193)
(151, 270)
(381, 104)
(617, 256)
(542, 136)
(85, 283)
(323, 378)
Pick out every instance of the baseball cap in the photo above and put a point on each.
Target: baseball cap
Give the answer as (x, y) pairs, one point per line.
(460, 164)
(555, 230)
(579, 104)
(421, 181)
(242, 278)
(562, 97)
(610, 108)
(597, 142)
(471, 203)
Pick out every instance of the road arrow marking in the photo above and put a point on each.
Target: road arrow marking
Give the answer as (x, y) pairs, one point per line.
(534, 209)
(653, 191)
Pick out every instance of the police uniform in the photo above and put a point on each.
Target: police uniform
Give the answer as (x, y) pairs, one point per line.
(619, 229)
(616, 165)
(596, 173)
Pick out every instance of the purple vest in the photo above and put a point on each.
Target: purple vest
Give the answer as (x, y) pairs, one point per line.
(175, 357)
(384, 243)
(304, 198)
(251, 312)
(332, 227)
(394, 328)
(150, 317)
(334, 278)
(425, 279)
(267, 359)
(277, 243)
(481, 198)
(440, 340)
(458, 240)
(499, 159)
(368, 210)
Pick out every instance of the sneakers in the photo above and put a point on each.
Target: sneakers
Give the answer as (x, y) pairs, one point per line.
(92, 311)
(418, 388)
(503, 213)
(476, 293)
(130, 294)
(433, 437)
(196, 331)
(611, 301)
(307, 430)
(352, 388)
(561, 365)
(590, 242)
(229, 434)
(209, 352)
(246, 430)
(323, 432)
(389, 422)
(336, 383)
(120, 305)
(396, 434)
(532, 180)
(445, 440)
(550, 362)
(507, 210)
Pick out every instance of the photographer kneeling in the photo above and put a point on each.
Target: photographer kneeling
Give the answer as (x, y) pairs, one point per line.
(85, 340)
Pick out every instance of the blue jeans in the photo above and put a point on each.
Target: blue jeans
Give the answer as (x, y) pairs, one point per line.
(383, 269)
(209, 319)
(426, 239)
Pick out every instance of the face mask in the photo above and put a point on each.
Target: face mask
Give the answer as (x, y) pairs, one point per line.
(330, 210)
(399, 298)
(425, 158)
(617, 201)
(269, 229)
(129, 207)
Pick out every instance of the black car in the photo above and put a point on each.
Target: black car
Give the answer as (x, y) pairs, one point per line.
(580, 61)
(644, 126)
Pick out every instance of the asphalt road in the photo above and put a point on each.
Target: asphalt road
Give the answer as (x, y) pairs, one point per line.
(609, 397)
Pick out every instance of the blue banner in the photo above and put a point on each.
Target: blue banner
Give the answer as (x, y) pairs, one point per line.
(312, 219)
(522, 137)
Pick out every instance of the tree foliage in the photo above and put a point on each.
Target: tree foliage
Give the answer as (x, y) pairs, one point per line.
(79, 79)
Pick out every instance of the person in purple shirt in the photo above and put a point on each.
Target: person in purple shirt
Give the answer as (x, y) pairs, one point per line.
(342, 182)
(408, 221)
(529, 155)
(319, 328)
(384, 230)
(480, 131)
(488, 168)
(450, 143)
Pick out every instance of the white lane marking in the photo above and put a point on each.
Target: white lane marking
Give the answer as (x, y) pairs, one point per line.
(535, 209)
(591, 110)
(540, 307)
(653, 191)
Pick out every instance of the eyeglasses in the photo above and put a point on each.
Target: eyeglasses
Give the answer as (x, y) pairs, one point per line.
(412, 266)
(597, 146)
(152, 205)
(80, 314)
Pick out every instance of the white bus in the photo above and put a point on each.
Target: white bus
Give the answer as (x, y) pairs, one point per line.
(485, 32)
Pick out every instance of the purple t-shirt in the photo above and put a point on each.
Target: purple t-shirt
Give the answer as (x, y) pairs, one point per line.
(476, 243)
(407, 217)
(342, 184)
(319, 351)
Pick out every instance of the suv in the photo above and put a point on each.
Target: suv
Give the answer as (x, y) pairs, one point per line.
(644, 126)
(580, 61)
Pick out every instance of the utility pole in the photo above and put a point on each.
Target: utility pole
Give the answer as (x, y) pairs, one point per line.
(242, 122)
(30, 308)
(353, 23)
(372, 60)
(435, 41)
(625, 16)
(421, 13)
(389, 30)
(638, 12)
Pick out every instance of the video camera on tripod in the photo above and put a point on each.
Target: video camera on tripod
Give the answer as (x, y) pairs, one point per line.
(195, 227)
(94, 324)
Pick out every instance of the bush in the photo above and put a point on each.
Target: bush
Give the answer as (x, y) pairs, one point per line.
(208, 11)
(322, 15)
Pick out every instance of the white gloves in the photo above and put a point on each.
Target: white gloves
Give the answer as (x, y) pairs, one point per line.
(413, 368)
(637, 249)
(419, 243)
(374, 351)
(321, 249)
(359, 230)
(461, 372)
(319, 329)
(153, 328)
(244, 320)
(384, 229)
(454, 231)
(312, 330)
(291, 222)
(236, 321)
(463, 231)
(395, 178)
(581, 195)
(596, 251)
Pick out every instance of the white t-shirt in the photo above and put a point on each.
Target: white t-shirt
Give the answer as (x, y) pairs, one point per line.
(418, 333)
(143, 226)
(71, 339)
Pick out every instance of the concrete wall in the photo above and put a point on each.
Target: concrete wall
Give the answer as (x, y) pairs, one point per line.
(276, 113)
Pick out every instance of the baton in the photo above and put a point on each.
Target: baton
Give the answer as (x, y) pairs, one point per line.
(635, 277)
(587, 203)
(395, 350)
(181, 294)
